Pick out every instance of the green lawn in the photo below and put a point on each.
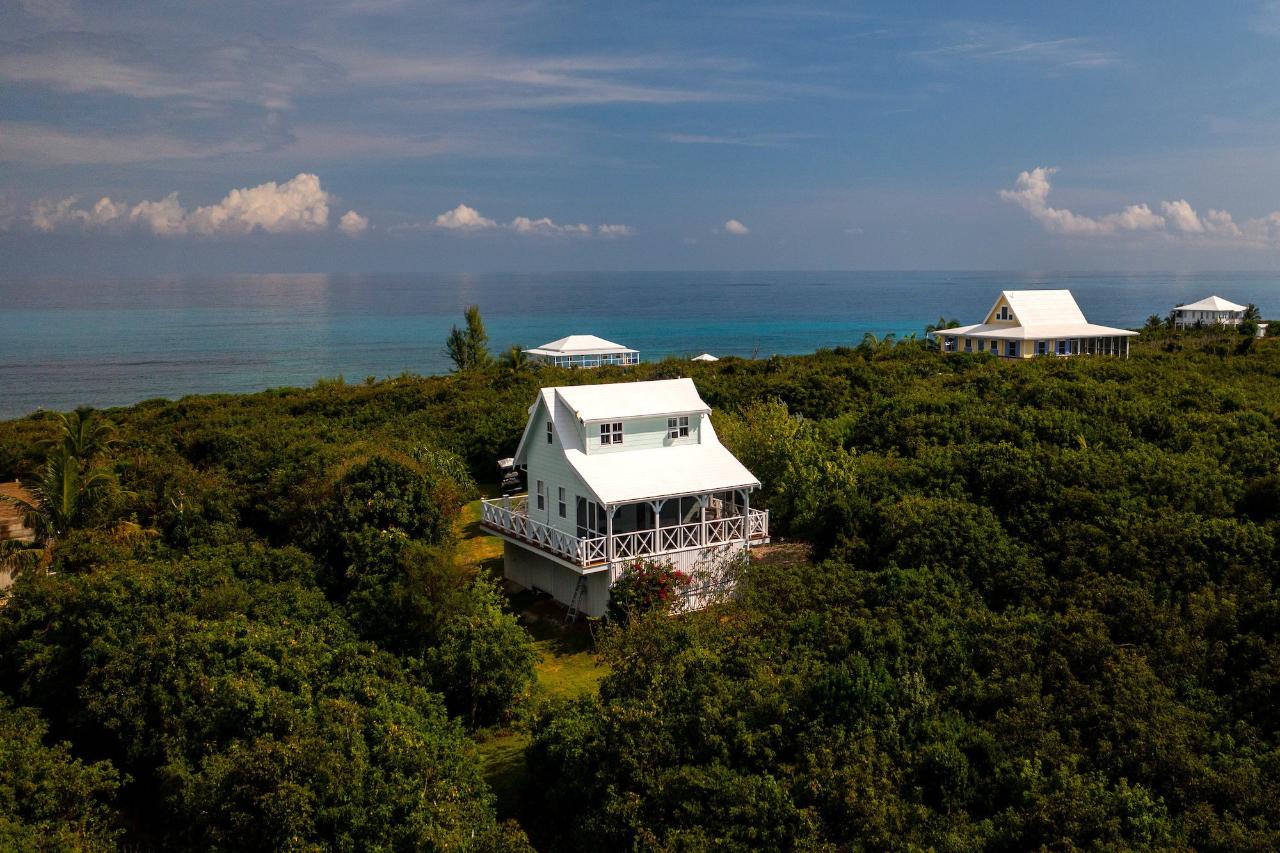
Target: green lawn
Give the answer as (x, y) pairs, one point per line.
(568, 667)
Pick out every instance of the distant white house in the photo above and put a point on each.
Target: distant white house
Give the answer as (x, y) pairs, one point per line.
(706, 356)
(583, 351)
(621, 472)
(1028, 323)
(1212, 310)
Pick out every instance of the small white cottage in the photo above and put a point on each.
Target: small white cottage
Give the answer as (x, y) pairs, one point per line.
(1028, 323)
(619, 472)
(1212, 310)
(583, 351)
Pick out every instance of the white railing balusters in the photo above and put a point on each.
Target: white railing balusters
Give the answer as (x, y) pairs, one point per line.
(510, 516)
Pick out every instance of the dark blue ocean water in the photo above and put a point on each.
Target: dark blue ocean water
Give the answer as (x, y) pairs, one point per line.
(111, 341)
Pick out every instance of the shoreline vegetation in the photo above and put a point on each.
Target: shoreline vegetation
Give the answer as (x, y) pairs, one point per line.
(1018, 605)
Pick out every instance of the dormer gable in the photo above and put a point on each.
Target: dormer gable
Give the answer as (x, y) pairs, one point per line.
(615, 417)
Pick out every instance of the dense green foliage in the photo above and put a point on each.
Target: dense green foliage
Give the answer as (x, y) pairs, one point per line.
(1041, 612)
(48, 800)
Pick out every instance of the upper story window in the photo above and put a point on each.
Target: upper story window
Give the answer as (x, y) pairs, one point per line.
(549, 430)
(542, 495)
(1004, 313)
(563, 503)
(678, 427)
(611, 433)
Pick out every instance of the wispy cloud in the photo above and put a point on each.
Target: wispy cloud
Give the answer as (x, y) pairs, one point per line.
(1178, 220)
(974, 42)
(749, 140)
(40, 145)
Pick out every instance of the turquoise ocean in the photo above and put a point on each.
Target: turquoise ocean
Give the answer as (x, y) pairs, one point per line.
(66, 342)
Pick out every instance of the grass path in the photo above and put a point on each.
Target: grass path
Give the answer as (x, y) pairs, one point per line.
(568, 666)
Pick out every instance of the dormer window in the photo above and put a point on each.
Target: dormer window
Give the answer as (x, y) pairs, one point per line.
(1004, 313)
(549, 429)
(611, 433)
(678, 427)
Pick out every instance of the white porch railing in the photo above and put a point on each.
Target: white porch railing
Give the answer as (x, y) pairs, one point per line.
(510, 516)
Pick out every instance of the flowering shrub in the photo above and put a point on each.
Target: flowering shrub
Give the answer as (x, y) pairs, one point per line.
(643, 586)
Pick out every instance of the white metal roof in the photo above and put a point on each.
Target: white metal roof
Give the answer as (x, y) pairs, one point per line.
(1043, 307)
(620, 400)
(1212, 303)
(706, 356)
(661, 472)
(578, 345)
(1039, 315)
(1042, 332)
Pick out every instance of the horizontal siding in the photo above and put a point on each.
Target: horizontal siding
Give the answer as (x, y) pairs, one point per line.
(641, 434)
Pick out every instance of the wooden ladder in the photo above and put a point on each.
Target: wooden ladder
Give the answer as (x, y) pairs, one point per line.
(579, 592)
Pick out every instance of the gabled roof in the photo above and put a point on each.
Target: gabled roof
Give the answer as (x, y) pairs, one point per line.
(662, 472)
(1042, 307)
(614, 400)
(1212, 303)
(1043, 332)
(620, 400)
(1042, 314)
(578, 344)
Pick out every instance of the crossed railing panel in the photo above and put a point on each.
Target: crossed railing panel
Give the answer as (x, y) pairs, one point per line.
(510, 516)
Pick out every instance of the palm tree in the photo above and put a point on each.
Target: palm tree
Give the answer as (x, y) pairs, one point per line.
(1251, 312)
(75, 473)
(931, 341)
(514, 360)
(1154, 323)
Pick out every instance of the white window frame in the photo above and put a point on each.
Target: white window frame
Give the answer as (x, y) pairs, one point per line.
(562, 501)
(611, 433)
(678, 427)
(550, 431)
(542, 496)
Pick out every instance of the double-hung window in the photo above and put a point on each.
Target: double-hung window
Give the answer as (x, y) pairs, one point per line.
(1042, 347)
(549, 430)
(1062, 347)
(678, 427)
(563, 505)
(611, 433)
(542, 495)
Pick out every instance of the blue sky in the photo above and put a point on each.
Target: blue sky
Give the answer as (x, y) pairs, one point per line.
(385, 135)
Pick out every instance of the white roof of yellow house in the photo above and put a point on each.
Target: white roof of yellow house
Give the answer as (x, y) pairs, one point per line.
(579, 345)
(1038, 314)
(1212, 303)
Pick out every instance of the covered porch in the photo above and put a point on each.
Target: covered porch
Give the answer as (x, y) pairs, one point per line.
(605, 533)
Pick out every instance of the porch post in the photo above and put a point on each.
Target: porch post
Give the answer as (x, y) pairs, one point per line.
(657, 524)
(702, 518)
(746, 516)
(608, 541)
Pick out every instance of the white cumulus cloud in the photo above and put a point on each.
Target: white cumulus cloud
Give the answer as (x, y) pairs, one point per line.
(353, 224)
(546, 228)
(463, 218)
(1179, 221)
(297, 205)
(733, 226)
(1031, 193)
(467, 219)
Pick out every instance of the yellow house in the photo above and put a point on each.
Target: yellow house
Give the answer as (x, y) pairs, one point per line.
(1029, 323)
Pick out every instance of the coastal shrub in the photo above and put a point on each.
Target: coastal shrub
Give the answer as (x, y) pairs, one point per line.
(645, 586)
(48, 799)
